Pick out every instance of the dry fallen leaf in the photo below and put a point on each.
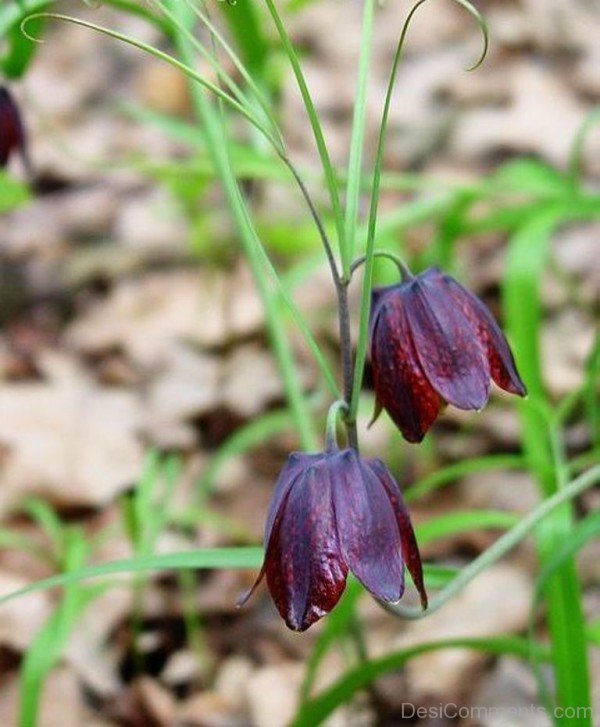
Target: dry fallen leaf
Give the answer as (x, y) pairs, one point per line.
(185, 387)
(61, 703)
(67, 438)
(20, 620)
(543, 118)
(146, 317)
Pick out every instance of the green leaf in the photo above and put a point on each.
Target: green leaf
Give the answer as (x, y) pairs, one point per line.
(13, 194)
(335, 628)
(239, 558)
(526, 261)
(246, 26)
(315, 711)
(243, 439)
(456, 471)
(48, 644)
(530, 177)
(21, 49)
(585, 531)
(456, 523)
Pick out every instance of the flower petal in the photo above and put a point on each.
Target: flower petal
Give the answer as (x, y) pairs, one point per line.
(500, 358)
(296, 463)
(367, 528)
(410, 549)
(401, 386)
(446, 342)
(305, 571)
(12, 135)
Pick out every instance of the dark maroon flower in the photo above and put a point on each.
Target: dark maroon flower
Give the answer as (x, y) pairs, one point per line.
(333, 512)
(12, 134)
(432, 343)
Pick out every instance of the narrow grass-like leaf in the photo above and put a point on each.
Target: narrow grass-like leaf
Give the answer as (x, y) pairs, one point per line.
(246, 437)
(581, 534)
(13, 194)
(464, 521)
(315, 123)
(527, 257)
(361, 349)
(246, 26)
(335, 627)
(185, 68)
(217, 144)
(503, 545)
(353, 180)
(456, 471)
(48, 644)
(576, 155)
(314, 711)
(47, 519)
(207, 558)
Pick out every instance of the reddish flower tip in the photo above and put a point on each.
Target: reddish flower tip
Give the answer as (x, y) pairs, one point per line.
(333, 512)
(432, 343)
(12, 134)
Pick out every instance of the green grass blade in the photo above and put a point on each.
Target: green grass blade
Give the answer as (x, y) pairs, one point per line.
(47, 646)
(328, 170)
(186, 68)
(316, 710)
(526, 261)
(207, 558)
(245, 438)
(336, 627)
(456, 471)
(464, 521)
(353, 180)
(217, 144)
(245, 25)
(13, 194)
(585, 531)
(526, 525)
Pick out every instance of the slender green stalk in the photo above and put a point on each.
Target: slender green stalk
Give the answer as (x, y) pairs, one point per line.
(328, 170)
(361, 350)
(263, 101)
(505, 543)
(403, 269)
(353, 185)
(316, 710)
(528, 254)
(332, 421)
(161, 55)
(218, 148)
(221, 74)
(365, 303)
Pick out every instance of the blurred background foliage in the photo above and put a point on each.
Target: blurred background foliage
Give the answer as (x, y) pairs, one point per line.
(144, 414)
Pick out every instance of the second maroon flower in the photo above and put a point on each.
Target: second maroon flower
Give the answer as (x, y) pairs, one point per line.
(432, 343)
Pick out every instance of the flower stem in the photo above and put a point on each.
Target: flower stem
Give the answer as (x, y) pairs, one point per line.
(347, 358)
(405, 272)
(332, 419)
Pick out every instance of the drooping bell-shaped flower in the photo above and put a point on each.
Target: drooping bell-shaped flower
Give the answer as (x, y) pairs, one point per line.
(333, 512)
(12, 133)
(432, 343)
